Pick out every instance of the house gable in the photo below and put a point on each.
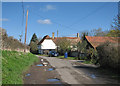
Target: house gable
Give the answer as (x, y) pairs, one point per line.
(46, 43)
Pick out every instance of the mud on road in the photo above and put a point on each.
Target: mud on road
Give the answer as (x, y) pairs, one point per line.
(42, 73)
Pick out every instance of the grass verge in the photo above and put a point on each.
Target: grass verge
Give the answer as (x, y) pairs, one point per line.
(0, 67)
(87, 62)
(70, 58)
(14, 64)
(75, 58)
(42, 55)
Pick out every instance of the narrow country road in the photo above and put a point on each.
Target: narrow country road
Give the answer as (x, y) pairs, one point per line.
(72, 73)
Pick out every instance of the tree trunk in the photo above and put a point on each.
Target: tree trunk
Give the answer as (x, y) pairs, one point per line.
(78, 55)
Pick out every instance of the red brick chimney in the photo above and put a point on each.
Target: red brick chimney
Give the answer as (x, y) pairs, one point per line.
(53, 35)
(77, 34)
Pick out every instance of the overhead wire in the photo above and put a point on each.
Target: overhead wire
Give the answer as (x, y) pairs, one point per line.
(83, 18)
(23, 13)
(70, 26)
(89, 14)
(57, 22)
(22, 23)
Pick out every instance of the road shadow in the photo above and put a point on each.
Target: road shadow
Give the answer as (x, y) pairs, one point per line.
(85, 67)
(95, 72)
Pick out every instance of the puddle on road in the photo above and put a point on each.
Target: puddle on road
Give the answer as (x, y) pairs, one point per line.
(50, 69)
(39, 65)
(53, 80)
(92, 76)
(58, 83)
(28, 74)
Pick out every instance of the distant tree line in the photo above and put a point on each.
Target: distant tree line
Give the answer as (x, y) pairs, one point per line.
(114, 31)
(8, 42)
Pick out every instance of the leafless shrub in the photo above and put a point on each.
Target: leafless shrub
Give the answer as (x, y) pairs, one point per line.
(63, 45)
(108, 55)
(10, 43)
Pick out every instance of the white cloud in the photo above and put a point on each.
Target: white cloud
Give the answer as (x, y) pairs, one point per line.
(4, 19)
(48, 7)
(45, 21)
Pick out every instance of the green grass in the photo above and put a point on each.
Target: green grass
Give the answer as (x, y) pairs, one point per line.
(70, 58)
(0, 68)
(87, 62)
(14, 64)
(42, 55)
(74, 58)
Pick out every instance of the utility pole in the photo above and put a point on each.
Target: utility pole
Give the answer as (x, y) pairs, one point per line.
(26, 31)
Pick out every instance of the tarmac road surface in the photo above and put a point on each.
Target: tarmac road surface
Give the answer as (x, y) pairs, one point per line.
(72, 73)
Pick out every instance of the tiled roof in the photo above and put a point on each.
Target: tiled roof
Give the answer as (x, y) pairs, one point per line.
(66, 37)
(95, 41)
(45, 37)
(73, 40)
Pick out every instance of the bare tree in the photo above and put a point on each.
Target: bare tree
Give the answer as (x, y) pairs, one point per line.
(63, 45)
(98, 32)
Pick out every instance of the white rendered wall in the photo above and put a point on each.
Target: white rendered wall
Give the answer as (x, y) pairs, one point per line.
(48, 44)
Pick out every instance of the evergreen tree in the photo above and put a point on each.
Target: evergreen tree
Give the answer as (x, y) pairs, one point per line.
(34, 38)
(33, 44)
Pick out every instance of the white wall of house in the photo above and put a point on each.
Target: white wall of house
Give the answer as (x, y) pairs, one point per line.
(48, 44)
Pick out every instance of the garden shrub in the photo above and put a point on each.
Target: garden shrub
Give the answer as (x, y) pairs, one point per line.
(108, 55)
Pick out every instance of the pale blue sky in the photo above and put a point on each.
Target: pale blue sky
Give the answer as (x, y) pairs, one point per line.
(66, 17)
